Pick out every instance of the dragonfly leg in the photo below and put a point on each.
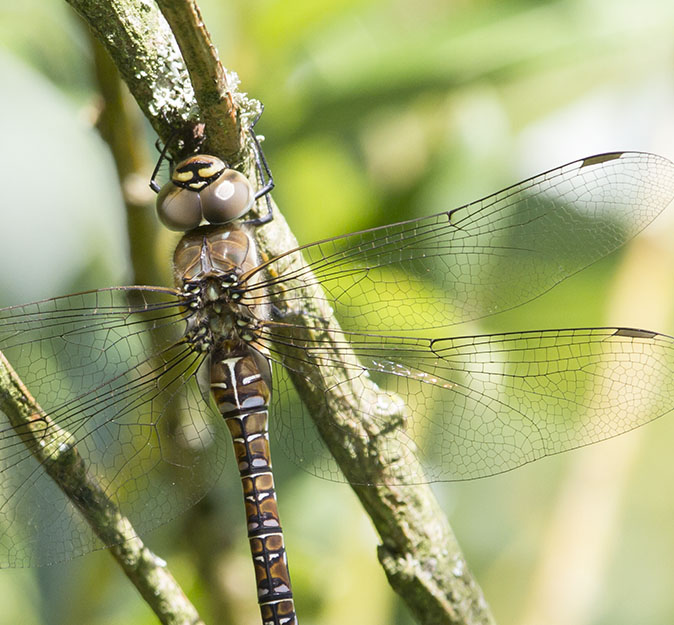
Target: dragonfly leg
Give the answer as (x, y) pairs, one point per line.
(266, 177)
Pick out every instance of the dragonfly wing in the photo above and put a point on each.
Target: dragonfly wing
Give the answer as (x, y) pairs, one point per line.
(475, 406)
(108, 366)
(479, 259)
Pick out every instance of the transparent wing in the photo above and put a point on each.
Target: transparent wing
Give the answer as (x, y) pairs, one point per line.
(475, 406)
(482, 258)
(109, 367)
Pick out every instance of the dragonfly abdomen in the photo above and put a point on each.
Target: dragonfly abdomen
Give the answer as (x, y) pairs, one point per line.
(241, 384)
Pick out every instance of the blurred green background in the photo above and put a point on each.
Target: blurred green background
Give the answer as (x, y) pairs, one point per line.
(378, 111)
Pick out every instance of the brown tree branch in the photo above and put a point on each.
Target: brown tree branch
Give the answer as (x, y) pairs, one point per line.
(142, 46)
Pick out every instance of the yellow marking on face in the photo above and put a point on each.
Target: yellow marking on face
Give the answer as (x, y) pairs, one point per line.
(210, 170)
(182, 176)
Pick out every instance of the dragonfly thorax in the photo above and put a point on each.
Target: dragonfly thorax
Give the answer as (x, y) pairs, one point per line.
(210, 266)
(215, 322)
(221, 253)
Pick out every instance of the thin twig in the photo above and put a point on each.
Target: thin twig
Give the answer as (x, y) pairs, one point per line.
(53, 448)
(212, 87)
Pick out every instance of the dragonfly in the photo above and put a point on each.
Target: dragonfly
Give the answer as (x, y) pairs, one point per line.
(150, 382)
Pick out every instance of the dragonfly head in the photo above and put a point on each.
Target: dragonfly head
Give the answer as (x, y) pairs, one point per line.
(203, 187)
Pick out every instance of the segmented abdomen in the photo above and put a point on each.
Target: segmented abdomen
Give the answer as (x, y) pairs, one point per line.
(241, 385)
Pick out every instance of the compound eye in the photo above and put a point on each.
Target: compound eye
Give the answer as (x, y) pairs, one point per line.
(178, 208)
(227, 198)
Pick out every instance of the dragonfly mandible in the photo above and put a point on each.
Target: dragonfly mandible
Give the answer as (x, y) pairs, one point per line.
(127, 370)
